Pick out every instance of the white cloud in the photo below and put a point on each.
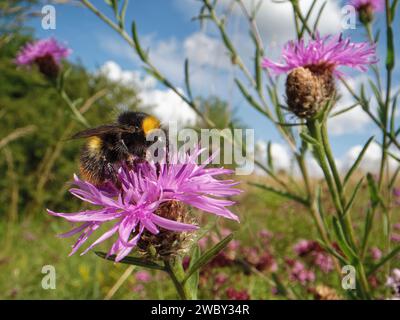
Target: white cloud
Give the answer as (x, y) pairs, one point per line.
(114, 72)
(203, 50)
(276, 20)
(168, 106)
(279, 152)
(371, 159)
(165, 104)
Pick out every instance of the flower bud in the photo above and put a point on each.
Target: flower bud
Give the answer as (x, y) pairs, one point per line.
(308, 89)
(366, 13)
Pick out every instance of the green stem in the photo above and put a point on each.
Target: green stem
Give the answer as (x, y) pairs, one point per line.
(175, 270)
(323, 152)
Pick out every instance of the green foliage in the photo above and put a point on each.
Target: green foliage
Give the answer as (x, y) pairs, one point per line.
(43, 161)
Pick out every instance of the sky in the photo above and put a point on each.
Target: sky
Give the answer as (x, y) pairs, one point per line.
(166, 28)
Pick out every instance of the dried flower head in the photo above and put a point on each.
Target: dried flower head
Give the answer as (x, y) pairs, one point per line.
(149, 206)
(311, 68)
(46, 54)
(322, 292)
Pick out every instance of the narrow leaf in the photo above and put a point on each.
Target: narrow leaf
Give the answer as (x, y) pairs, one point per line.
(136, 261)
(207, 256)
(357, 162)
(281, 193)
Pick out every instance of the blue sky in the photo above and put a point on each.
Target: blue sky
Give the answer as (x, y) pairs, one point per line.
(166, 28)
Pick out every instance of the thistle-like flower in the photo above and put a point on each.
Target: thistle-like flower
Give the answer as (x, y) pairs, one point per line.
(46, 54)
(367, 8)
(311, 68)
(149, 207)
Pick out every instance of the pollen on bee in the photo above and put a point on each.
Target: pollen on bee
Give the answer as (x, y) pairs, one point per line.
(150, 123)
(94, 143)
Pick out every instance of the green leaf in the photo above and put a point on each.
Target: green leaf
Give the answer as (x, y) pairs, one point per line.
(193, 282)
(353, 197)
(344, 110)
(393, 8)
(306, 137)
(369, 217)
(333, 252)
(320, 207)
(390, 49)
(122, 14)
(136, 261)
(373, 191)
(257, 66)
(342, 242)
(321, 10)
(207, 257)
(281, 193)
(385, 259)
(270, 159)
(187, 80)
(357, 162)
(135, 38)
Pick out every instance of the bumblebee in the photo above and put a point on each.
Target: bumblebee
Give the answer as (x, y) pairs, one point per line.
(108, 146)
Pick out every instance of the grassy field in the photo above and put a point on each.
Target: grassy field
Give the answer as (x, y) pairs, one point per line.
(27, 246)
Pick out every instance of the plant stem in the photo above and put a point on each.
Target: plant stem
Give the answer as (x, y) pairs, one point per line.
(323, 153)
(175, 271)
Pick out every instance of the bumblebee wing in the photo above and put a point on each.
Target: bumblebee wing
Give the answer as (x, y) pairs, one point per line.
(98, 131)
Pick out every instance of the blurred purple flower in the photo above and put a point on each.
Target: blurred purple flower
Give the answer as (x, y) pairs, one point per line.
(304, 247)
(234, 294)
(394, 282)
(395, 237)
(396, 195)
(133, 208)
(376, 5)
(298, 272)
(42, 48)
(326, 53)
(376, 253)
(46, 54)
(143, 276)
(324, 262)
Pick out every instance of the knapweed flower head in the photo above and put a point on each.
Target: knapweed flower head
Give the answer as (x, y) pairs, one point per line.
(45, 53)
(150, 202)
(312, 65)
(367, 8)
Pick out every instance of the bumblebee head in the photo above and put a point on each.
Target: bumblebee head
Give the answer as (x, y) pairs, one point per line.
(139, 121)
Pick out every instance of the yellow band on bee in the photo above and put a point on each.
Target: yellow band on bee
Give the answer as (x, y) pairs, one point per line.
(94, 143)
(150, 123)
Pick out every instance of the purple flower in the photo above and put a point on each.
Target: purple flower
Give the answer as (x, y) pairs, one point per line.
(376, 5)
(396, 195)
(304, 247)
(133, 208)
(376, 253)
(46, 54)
(326, 53)
(298, 272)
(395, 237)
(324, 262)
(143, 276)
(394, 282)
(40, 49)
